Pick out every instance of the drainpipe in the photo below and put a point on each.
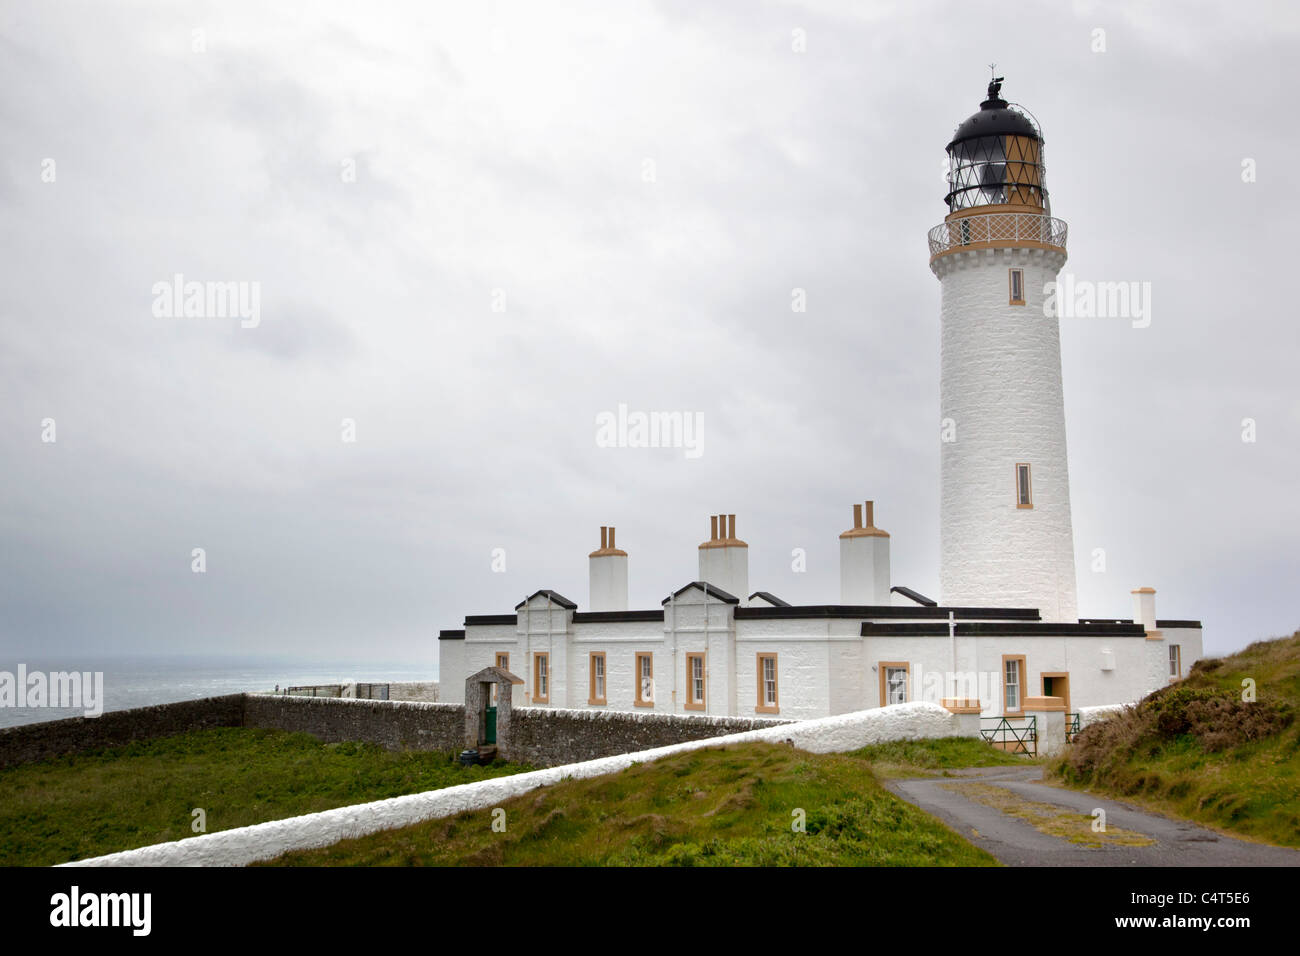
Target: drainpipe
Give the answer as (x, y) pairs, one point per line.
(952, 648)
(672, 611)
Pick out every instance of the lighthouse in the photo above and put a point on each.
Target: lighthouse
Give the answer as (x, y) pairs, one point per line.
(1006, 538)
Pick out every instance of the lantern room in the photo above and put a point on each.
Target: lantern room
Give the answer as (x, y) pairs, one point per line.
(996, 159)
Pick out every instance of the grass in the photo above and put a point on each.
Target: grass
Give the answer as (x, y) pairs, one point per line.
(926, 758)
(726, 806)
(1198, 751)
(81, 806)
(1060, 822)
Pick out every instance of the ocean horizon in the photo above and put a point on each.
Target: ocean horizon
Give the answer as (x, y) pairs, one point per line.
(142, 680)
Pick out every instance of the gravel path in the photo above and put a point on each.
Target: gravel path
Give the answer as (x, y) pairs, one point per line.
(1016, 842)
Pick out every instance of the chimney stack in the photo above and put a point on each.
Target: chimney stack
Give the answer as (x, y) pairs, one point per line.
(608, 567)
(1144, 608)
(724, 559)
(864, 561)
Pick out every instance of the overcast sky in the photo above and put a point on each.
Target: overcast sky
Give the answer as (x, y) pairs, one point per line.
(640, 187)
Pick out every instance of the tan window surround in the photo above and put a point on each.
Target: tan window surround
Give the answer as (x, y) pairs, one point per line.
(1011, 287)
(1030, 476)
(1020, 690)
(647, 655)
(763, 707)
(882, 667)
(591, 681)
(538, 658)
(691, 702)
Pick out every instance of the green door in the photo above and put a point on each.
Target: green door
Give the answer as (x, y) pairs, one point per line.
(490, 726)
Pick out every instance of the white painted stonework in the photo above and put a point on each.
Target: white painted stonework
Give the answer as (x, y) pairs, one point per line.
(265, 841)
(1000, 387)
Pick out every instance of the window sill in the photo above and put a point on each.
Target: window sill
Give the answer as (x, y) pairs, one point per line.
(767, 710)
(694, 706)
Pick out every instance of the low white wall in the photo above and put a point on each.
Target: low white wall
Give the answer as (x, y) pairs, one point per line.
(1091, 715)
(266, 841)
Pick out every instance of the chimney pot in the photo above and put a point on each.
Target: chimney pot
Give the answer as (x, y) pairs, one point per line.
(602, 537)
(611, 536)
(731, 526)
(871, 514)
(857, 516)
(713, 527)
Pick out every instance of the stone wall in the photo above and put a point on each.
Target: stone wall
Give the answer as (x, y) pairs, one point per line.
(548, 738)
(541, 737)
(54, 738)
(396, 725)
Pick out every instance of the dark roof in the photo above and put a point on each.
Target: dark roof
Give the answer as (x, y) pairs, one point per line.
(451, 635)
(995, 118)
(613, 617)
(888, 611)
(556, 598)
(482, 620)
(916, 596)
(708, 589)
(1001, 629)
(1160, 623)
(770, 598)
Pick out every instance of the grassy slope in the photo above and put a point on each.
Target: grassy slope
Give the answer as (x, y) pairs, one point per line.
(1250, 788)
(719, 806)
(923, 758)
(125, 797)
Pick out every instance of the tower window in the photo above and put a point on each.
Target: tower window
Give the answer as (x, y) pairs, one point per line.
(1016, 282)
(1024, 488)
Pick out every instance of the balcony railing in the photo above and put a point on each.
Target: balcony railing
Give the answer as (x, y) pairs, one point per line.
(997, 228)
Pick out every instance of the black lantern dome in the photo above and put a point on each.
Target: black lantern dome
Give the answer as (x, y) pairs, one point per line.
(996, 159)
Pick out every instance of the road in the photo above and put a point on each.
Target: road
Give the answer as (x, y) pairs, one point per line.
(963, 802)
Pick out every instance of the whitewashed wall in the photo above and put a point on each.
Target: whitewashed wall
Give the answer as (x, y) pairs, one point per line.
(1000, 383)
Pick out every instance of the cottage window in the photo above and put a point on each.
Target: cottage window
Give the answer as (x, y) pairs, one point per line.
(695, 681)
(645, 680)
(541, 678)
(597, 688)
(503, 662)
(1175, 660)
(1013, 670)
(768, 700)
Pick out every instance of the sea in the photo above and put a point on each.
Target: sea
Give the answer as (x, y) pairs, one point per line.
(139, 681)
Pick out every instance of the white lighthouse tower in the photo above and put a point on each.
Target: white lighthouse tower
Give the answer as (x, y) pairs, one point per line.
(1006, 538)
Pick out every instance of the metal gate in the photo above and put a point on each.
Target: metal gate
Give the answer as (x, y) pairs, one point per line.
(1014, 738)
